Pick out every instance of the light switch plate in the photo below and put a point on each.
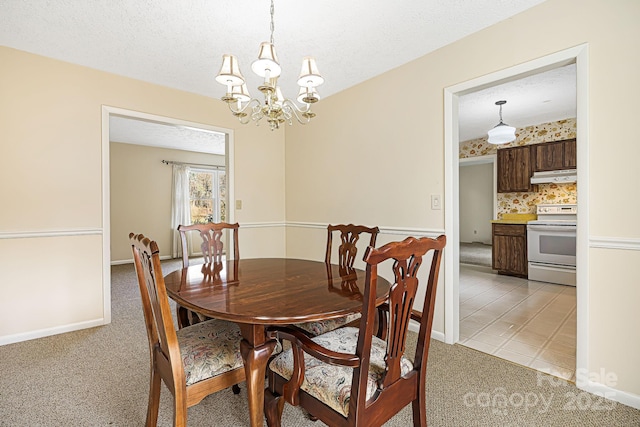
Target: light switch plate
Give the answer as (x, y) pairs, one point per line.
(238, 204)
(436, 203)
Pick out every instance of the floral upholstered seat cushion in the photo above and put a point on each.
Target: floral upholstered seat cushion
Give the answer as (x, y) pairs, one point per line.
(210, 348)
(323, 326)
(332, 384)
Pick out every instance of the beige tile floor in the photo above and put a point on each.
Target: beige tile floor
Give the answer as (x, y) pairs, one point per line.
(527, 322)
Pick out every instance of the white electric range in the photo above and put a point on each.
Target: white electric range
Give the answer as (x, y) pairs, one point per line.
(551, 244)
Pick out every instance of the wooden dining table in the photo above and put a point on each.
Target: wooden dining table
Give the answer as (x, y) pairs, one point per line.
(258, 292)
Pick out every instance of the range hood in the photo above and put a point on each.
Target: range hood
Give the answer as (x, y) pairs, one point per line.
(557, 177)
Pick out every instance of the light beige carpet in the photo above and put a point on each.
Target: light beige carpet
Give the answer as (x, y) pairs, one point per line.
(475, 253)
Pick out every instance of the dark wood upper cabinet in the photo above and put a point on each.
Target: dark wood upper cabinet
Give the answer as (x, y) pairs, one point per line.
(515, 167)
(570, 154)
(550, 156)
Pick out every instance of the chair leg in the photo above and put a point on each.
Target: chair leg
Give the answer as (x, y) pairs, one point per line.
(381, 325)
(154, 399)
(182, 315)
(179, 412)
(273, 407)
(419, 406)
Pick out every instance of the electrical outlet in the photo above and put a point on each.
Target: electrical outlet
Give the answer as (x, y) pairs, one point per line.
(436, 202)
(238, 204)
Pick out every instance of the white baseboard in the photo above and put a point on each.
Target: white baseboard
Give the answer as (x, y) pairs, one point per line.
(436, 335)
(415, 327)
(130, 261)
(610, 393)
(41, 333)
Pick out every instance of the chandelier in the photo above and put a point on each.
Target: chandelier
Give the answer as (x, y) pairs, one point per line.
(274, 107)
(501, 133)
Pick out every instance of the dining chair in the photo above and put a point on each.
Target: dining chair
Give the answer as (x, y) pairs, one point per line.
(347, 250)
(212, 237)
(193, 362)
(349, 376)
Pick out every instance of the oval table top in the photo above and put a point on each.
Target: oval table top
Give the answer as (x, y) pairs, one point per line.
(271, 290)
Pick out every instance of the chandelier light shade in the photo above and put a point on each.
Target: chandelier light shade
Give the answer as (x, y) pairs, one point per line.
(273, 107)
(230, 72)
(267, 63)
(501, 133)
(241, 93)
(309, 75)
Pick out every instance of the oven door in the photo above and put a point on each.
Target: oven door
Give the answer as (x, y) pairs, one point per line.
(552, 244)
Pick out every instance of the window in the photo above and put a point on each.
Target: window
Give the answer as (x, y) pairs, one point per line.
(207, 195)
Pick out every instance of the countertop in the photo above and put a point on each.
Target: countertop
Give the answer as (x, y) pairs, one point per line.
(515, 218)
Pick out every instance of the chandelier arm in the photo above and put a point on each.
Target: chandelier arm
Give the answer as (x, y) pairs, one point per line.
(242, 114)
(256, 113)
(297, 111)
(243, 109)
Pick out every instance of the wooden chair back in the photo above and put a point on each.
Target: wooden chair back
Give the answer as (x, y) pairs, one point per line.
(395, 388)
(163, 341)
(155, 303)
(347, 250)
(212, 235)
(164, 347)
(349, 236)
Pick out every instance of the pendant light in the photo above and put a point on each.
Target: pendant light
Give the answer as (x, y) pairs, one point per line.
(501, 133)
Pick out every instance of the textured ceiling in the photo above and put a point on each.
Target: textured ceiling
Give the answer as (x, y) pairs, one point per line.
(180, 43)
(540, 98)
(144, 132)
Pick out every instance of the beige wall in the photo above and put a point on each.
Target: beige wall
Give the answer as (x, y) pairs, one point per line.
(141, 194)
(51, 234)
(375, 152)
(373, 155)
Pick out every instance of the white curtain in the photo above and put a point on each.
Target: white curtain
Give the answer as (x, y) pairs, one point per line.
(179, 206)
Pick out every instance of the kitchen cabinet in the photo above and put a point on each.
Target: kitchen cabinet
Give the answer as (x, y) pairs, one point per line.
(509, 250)
(515, 167)
(550, 156)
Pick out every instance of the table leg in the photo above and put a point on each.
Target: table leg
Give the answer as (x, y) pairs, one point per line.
(255, 352)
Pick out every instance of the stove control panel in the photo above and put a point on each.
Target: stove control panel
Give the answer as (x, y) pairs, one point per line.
(569, 209)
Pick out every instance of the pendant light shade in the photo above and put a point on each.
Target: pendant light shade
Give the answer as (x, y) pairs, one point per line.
(501, 133)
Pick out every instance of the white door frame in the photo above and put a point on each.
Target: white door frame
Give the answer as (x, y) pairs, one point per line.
(579, 55)
(107, 111)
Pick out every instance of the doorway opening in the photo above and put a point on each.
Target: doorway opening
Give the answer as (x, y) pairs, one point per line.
(579, 56)
(157, 122)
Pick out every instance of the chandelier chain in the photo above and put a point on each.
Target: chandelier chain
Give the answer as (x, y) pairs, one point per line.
(272, 25)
